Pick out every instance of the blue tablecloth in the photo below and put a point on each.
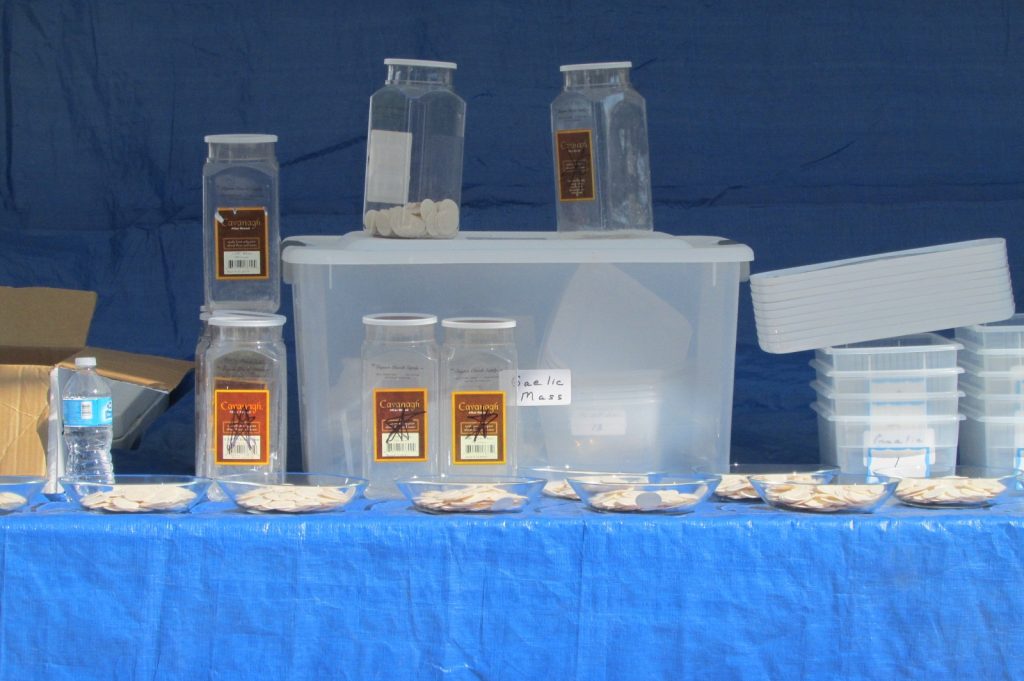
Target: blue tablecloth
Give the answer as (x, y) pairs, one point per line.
(384, 592)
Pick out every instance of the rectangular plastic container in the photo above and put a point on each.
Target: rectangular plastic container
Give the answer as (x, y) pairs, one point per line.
(993, 441)
(918, 351)
(908, 446)
(878, 405)
(986, 404)
(873, 382)
(645, 326)
(979, 381)
(1005, 335)
(992, 360)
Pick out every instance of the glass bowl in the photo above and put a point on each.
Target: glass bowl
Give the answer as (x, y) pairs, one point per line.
(735, 485)
(291, 492)
(825, 492)
(668, 494)
(16, 491)
(556, 480)
(138, 493)
(470, 494)
(961, 487)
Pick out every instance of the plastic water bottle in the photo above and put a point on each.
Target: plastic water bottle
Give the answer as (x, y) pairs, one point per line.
(88, 422)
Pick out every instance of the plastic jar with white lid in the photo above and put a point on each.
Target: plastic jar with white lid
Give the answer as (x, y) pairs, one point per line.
(478, 370)
(414, 152)
(245, 390)
(601, 153)
(241, 215)
(400, 387)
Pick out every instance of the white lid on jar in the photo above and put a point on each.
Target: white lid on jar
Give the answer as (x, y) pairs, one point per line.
(246, 319)
(599, 66)
(478, 323)
(392, 61)
(240, 138)
(399, 319)
(85, 361)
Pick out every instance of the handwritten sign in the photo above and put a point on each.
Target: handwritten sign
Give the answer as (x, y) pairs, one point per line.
(541, 387)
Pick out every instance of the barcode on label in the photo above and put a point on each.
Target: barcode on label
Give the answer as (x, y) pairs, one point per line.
(242, 262)
(242, 447)
(407, 447)
(479, 448)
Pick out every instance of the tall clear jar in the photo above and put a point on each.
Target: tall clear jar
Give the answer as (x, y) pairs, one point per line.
(478, 370)
(241, 234)
(400, 378)
(602, 160)
(245, 390)
(414, 152)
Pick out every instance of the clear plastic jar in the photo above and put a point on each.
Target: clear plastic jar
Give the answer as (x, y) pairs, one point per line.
(400, 365)
(414, 152)
(602, 161)
(245, 388)
(478, 370)
(241, 236)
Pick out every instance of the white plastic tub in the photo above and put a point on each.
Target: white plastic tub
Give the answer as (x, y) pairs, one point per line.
(918, 351)
(881, 405)
(979, 381)
(644, 326)
(993, 441)
(992, 360)
(916, 381)
(1005, 335)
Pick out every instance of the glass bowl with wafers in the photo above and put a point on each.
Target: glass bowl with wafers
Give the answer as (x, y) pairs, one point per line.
(660, 493)
(293, 493)
(137, 493)
(960, 487)
(826, 493)
(556, 479)
(736, 486)
(17, 492)
(470, 494)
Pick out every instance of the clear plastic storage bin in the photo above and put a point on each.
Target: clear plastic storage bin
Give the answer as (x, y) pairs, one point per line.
(887, 382)
(877, 405)
(977, 380)
(1005, 335)
(986, 404)
(992, 360)
(910, 446)
(414, 152)
(994, 441)
(919, 351)
(603, 326)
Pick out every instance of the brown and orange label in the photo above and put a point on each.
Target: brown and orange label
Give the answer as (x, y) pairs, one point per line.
(400, 424)
(242, 242)
(478, 427)
(241, 427)
(575, 157)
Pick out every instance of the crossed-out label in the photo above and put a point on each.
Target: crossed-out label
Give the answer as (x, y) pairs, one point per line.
(400, 424)
(575, 156)
(240, 235)
(242, 427)
(89, 412)
(478, 427)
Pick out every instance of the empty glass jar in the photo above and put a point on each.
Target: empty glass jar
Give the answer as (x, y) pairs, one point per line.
(602, 161)
(414, 152)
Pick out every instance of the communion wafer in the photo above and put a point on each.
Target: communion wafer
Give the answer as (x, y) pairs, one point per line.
(471, 498)
(139, 498)
(293, 499)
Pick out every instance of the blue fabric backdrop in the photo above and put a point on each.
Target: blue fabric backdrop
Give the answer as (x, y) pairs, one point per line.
(809, 130)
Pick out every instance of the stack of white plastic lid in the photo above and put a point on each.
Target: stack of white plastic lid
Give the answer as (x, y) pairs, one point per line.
(993, 357)
(882, 296)
(889, 406)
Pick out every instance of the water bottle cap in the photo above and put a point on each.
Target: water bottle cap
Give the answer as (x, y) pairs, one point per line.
(85, 361)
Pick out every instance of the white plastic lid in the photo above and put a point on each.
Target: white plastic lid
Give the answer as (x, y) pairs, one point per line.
(247, 319)
(243, 138)
(599, 66)
(399, 319)
(392, 61)
(85, 361)
(478, 323)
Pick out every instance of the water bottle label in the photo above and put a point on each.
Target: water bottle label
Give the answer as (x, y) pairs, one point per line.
(88, 413)
(240, 236)
(242, 427)
(400, 417)
(478, 428)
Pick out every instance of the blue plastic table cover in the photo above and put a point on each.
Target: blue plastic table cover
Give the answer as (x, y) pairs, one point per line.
(380, 591)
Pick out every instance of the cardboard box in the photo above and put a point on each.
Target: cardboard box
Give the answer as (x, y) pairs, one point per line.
(42, 330)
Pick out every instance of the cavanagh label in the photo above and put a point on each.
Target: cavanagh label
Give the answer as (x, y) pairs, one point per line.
(575, 155)
(242, 427)
(478, 428)
(400, 424)
(240, 235)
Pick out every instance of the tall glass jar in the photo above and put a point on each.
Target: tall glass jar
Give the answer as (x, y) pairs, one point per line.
(478, 370)
(241, 236)
(245, 389)
(414, 152)
(400, 364)
(602, 161)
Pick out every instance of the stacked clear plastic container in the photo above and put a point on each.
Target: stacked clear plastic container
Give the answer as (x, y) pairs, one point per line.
(993, 380)
(889, 406)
